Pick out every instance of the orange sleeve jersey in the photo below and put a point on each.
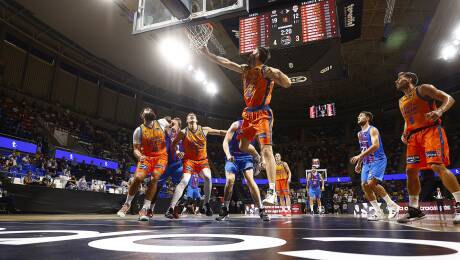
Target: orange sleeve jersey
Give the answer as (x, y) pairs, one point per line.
(195, 152)
(282, 182)
(257, 116)
(427, 141)
(153, 146)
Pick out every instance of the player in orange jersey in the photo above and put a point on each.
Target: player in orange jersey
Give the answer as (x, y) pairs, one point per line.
(195, 160)
(258, 81)
(149, 142)
(425, 139)
(283, 178)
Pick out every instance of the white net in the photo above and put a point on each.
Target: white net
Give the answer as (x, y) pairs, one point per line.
(199, 35)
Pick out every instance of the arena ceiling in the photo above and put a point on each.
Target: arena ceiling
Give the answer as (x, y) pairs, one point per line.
(103, 27)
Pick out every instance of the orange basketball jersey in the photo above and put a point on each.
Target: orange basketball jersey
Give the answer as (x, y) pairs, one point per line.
(257, 89)
(195, 145)
(281, 173)
(153, 141)
(414, 108)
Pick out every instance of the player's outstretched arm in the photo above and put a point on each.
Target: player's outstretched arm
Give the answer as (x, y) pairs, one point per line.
(432, 92)
(224, 62)
(228, 137)
(278, 76)
(212, 131)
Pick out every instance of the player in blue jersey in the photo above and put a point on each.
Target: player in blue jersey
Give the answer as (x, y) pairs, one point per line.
(371, 162)
(238, 162)
(193, 194)
(313, 188)
(174, 167)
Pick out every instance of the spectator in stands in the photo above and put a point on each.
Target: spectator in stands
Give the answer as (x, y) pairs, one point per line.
(82, 184)
(71, 184)
(48, 181)
(28, 179)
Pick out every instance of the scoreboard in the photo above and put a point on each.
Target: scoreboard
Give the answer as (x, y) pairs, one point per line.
(326, 110)
(291, 26)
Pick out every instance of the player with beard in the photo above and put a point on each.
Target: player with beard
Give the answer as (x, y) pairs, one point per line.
(195, 160)
(149, 142)
(314, 190)
(174, 167)
(258, 81)
(371, 163)
(426, 140)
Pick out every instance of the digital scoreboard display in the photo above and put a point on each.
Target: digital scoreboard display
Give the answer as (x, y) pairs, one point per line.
(322, 110)
(290, 26)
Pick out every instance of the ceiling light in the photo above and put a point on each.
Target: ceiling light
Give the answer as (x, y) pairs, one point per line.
(199, 76)
(448, 52)
(211, 88)
(174, 52)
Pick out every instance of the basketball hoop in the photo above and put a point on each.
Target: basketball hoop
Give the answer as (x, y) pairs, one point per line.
(199, 35)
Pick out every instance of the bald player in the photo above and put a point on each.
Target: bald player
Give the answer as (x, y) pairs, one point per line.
(258, 81)
(425, 139)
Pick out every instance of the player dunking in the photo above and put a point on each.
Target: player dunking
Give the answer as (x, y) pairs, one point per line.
(195, 160)
(258, 81)
(313, 188)
(425, 139)
(149, 142)
(283, 178)
(371, 163)
(238, 162)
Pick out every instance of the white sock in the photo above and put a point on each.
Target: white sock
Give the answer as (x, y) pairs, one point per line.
(375, 204)
(147, 204)
(389, 202)
(129, 199)
(226, 204)
(179, 189)
(456, 196)
(311, 208)
(207, 185)
(413, 201)
(271, 186)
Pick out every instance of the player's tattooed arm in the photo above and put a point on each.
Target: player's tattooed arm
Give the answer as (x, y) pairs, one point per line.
(228, 137)
(212, 131)
(430, 91)
(224, 62)
(278, 76)
(175, 144)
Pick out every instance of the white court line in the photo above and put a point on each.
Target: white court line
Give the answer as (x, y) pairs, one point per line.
(287, 222)
(217, 227)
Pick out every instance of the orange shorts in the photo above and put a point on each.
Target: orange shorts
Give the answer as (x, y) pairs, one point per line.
(257, 123)
(282, 187)
(426, 147)
(155, 165)
(195, 167)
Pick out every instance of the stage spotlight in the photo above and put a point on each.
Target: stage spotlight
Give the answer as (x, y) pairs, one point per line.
(211, 88)
(174, 52)
(448, 52)
(199, 76)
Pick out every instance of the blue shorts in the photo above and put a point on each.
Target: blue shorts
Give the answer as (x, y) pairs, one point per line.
(314, 193)
(173, 170)
(193, 193)
(374, 170)
(239, 165)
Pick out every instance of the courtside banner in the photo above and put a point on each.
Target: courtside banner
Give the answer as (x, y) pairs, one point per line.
(430, 207)
(350, 19)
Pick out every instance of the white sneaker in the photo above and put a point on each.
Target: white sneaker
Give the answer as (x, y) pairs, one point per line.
(270, 199)
(375, 217)
(393, 211)
(456, 219)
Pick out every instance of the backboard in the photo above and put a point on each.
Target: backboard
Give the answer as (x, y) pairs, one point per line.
(154, 15)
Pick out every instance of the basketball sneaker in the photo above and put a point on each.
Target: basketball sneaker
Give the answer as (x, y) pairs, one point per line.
(411, 215)
(263, 215)
(208, 210)
(393, 211)
(124, 210)
(223, 215)
(457, 213)
(171, 213)
(143, 216)
(270, 199)
(375, 217)
(150, 213)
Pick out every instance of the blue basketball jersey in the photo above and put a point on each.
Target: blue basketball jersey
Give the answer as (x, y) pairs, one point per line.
(235, 143)
(193, 181)
(365, 142)
(172, 157)
(314, 180)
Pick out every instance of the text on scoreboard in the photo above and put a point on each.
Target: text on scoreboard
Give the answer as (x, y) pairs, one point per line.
(290, 26)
